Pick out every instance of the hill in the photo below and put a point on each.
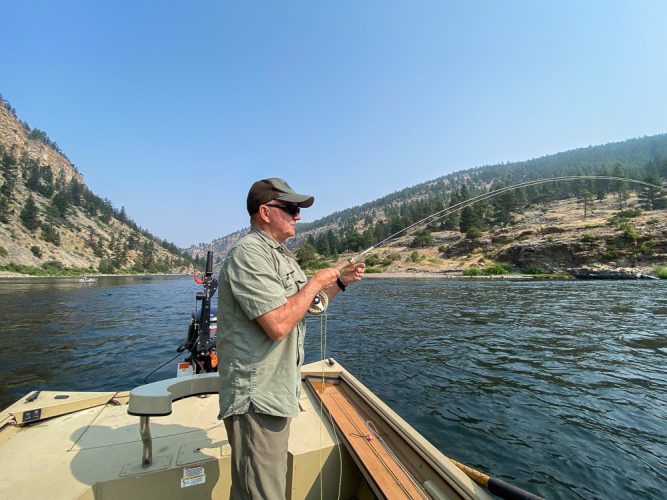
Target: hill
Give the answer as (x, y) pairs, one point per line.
(604, 223)
(51, 223)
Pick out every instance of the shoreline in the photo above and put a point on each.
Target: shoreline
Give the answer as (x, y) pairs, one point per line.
(441, 275)
(8, 275)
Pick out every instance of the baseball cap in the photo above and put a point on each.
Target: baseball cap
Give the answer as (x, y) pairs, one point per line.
(264, 191)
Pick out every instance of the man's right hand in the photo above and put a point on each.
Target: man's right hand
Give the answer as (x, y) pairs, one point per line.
(326, 277)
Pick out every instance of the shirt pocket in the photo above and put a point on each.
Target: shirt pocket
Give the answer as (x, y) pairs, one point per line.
(293, 279)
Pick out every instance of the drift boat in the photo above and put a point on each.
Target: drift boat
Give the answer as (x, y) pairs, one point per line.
(163, 440)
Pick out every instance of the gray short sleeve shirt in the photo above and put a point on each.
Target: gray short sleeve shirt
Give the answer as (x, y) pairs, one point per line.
(257, 276)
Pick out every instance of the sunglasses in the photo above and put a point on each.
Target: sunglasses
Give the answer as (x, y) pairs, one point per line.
(290, 209)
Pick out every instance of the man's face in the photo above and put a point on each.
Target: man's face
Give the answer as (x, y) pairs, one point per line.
(283, 217)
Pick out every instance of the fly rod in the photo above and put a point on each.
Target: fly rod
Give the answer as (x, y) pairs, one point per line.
(321, 301)
(494, 485)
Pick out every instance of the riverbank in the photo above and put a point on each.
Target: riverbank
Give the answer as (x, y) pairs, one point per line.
(446, 275)
(12, 275)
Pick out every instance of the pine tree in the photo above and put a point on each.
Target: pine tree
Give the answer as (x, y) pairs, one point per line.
(652, 197)
(587, 200)
(469, 219)
(30, 214)
(5, 209)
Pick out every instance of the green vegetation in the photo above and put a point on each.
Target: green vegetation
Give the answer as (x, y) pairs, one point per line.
(661, 271)
(493, 270)
(3, 251)
(629, 233)
(497, 269)
(472, 271)
(52, 201)
(36, 251)
(415, 256)
(30, 215)
(366, 225)
(50, 268)
(422, 239)
(610, 254)
(587, 238)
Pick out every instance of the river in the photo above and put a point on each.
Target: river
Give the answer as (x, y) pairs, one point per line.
(559, 387)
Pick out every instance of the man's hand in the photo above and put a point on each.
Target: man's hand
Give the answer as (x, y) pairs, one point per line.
(353, 273)
(325, 277)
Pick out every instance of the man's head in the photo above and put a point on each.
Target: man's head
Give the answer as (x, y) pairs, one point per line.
(275, 207)
(267, 190)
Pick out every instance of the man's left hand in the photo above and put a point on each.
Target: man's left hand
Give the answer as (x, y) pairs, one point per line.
(353, 273)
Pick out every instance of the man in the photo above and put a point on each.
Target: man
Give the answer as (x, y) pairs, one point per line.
(263, 297)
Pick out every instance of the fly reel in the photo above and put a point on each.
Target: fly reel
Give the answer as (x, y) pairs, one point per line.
(319, 303)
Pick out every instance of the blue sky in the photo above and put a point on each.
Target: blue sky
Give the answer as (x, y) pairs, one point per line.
(173, 109)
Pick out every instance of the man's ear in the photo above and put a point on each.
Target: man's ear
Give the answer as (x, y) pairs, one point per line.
(264, 213)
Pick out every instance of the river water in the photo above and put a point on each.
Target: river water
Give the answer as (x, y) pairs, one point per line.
(558, 387)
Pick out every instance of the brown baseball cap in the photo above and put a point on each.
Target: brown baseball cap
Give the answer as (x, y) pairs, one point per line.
(264, 191)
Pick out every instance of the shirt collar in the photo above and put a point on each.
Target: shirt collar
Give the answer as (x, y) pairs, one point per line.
(271, 241)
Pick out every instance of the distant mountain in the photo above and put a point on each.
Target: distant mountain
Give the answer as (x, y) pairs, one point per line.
(357, 228)
(51, 223)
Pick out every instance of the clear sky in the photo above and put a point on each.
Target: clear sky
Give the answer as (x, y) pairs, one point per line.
(172, 109)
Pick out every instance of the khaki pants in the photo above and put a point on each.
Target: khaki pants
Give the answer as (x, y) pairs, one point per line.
(259, 455)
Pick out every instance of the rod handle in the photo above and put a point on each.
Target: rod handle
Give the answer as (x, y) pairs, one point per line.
(345, 264)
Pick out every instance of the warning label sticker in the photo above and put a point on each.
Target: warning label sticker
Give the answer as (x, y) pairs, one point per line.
(192, 476)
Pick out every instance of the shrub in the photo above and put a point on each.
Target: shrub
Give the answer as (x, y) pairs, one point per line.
(473, 233)
(646, 248)
(3, 251)
(414, 256)
(36, 251)
(52, 266)
(472, 271)
(390, 259)
(373, 260)
(476, 251)
(533, 270)
(105, 267)
(628, 213)
(50, 234)
(629, 232)
(653, 221)
(587, 238)
(497, 269)
(611, 254)
(661, 271)
(443, 248)
(422, 239)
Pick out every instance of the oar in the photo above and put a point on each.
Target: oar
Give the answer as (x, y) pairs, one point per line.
(496, 486)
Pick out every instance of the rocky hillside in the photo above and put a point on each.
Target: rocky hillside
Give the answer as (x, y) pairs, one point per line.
(51, 223)
(581, 226)
(556, 238)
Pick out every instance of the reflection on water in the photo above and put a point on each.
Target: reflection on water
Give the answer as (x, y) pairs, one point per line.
(558, 387)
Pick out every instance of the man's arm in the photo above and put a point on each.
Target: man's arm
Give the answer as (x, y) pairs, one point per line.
(278, 322)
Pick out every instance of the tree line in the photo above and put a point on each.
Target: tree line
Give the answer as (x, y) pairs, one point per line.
(361, 230)
(63, 198)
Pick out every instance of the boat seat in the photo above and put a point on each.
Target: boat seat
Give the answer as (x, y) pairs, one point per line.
(154, 399)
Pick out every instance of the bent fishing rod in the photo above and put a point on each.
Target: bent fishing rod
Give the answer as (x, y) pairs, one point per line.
(321, 301)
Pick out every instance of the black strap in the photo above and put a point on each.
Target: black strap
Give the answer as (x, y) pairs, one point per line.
(340, 284)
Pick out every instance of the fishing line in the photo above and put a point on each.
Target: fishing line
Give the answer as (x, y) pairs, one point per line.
(323, 357)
